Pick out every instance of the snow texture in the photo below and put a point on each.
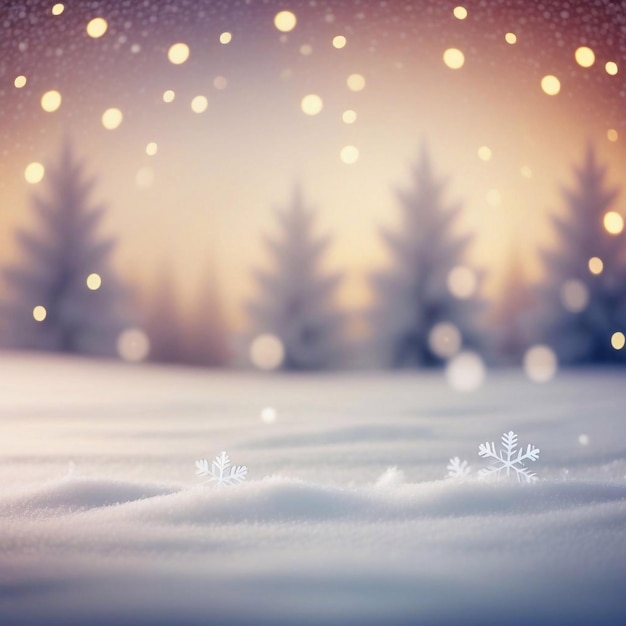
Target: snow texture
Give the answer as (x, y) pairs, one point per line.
(343, 519)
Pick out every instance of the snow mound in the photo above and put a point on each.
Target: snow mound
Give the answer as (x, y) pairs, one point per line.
(71, 495)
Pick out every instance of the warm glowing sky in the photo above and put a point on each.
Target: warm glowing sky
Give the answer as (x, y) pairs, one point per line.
(208, 194)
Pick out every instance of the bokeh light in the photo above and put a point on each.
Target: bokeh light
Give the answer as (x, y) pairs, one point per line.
(39, 313)
(510, 38)
(112, 118)
(444, 340)
(356, 82)
(267, 352)
(551, 85)
(465, 372)
(268, 415)
(133, 345)
(583, 439)
(226, 37)
(152, 148)
(484, 153)
(311, 104)
(526, 172)
(618, 340)
(199, 104)
(460, 13)
(540, 363)
(611, 68)
(34, 172)
(454, 58)
(220, 82)
(596, 265)
(20, 81)
(285, 21)
(339, 41)
(613, 223)
(612, 135)
(144, 178)
(462, 282)
(57, 9)
(51, 101)
(585, 57)
(178, 53)
(97, 27)
(349, 116)
(94, 281)
(349, 155)
(574, 295)
(168, 96)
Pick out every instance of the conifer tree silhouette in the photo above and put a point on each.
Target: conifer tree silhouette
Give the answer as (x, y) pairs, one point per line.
(296, 301)
(582, 300)
(51, 304)
(413, 296)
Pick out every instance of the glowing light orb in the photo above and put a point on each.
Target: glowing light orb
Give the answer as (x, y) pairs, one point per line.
(57, 9)
(454, 58)
(285, 21)
(178, 53)
(133, 345)
(611, 68)
(583, 439)
(585, 56)
(460, 13)
(168, 96)
(462, 282)
(484, 153)
(444, 340)
(20, 81)
(349, 155)
(574, 295)
(34, 173)
(613, 223)
(596, 265)
(94, 281)
(339, 41)
(465, 372)
(356, 82)
(144, 177)
(493, 198)
(268, 415)
(51, 101)
(135, 48)
(199, 104)
(226, 37)
(612, 135)
(526, 172)
(152, 148)
(112, 118)
(618, 340)
(540, 363)
(510, 38)
(551, 85)
(39, 313)
(311, 104)
(267, 352)
(349, 116)
(97, 27)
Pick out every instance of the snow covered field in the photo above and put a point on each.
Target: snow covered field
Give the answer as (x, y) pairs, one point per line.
(103, 521)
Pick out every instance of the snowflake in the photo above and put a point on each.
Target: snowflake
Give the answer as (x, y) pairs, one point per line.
(220, 471)
(457, 468)
(508, 459)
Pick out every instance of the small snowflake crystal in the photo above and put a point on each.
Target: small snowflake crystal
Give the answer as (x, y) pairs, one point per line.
(508, 461)
(220, 471)
(458, 469)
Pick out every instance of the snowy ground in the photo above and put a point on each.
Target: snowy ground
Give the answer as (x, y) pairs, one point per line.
(103, 521)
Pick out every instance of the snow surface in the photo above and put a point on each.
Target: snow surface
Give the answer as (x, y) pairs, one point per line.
(103, 521)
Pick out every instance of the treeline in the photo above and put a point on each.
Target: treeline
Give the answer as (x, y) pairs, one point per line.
(62, 294)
